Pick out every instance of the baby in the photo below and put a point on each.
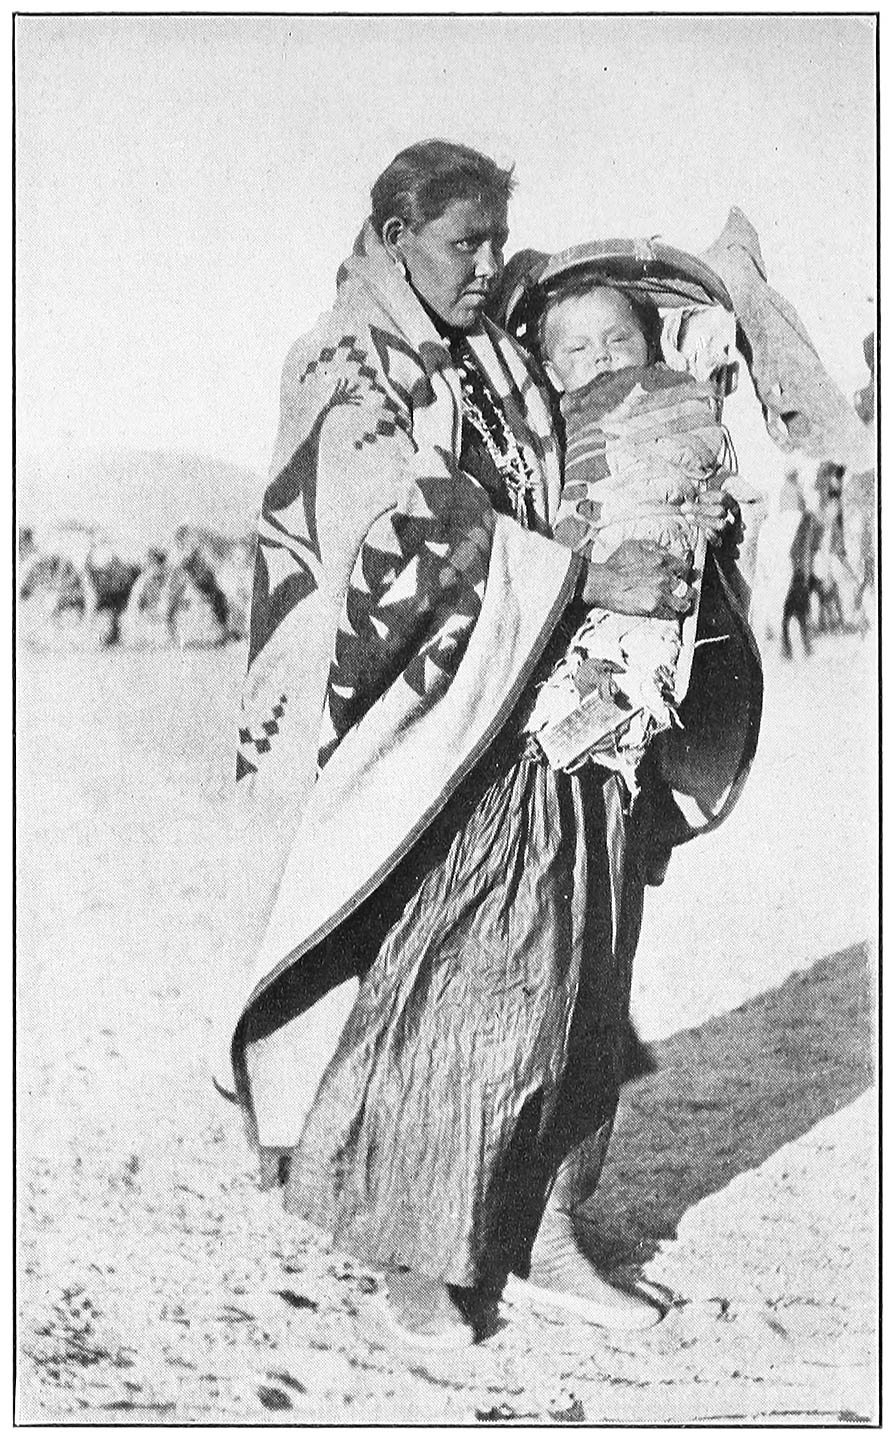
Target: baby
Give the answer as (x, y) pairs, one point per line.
(587, 331)
(643, 444)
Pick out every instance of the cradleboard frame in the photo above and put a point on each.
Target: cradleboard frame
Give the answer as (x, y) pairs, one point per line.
(667, 276)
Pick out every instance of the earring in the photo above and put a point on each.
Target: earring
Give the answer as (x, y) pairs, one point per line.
(402, 268)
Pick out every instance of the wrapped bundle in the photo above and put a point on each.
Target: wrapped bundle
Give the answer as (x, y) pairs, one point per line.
(641, 444)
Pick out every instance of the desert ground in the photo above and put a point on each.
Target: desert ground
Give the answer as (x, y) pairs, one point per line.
(158, 1284)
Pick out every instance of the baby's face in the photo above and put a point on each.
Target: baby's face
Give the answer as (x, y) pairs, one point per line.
(592, 334)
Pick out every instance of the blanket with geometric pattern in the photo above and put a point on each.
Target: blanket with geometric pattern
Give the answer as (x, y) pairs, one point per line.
(641, 444)
(396, 618)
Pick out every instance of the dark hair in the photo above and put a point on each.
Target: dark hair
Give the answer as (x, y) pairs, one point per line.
(424, 180)
(645, 310)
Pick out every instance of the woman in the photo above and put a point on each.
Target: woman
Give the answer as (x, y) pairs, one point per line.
(406, 589)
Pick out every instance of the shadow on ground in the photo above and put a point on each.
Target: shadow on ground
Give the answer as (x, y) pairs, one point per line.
(726, 1096)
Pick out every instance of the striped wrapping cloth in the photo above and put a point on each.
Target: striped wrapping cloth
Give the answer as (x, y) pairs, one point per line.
(639, 444)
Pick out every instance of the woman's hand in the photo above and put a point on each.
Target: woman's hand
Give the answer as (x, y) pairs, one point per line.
(640, 579)
(718, 514)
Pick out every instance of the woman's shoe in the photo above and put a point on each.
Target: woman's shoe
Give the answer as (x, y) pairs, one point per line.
(561, 1276)
(576, 1288)
(422, 1313)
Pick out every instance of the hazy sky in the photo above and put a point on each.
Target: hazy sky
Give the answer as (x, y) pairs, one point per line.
(186, 186)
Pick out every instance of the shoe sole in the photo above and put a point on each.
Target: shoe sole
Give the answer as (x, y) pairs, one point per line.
(517, 1291)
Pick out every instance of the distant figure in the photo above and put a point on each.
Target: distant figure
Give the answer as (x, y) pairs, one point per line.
(234, 575)
(216, 568)
(112, 577)
(774, 569)
(865, 399)
(828, 482)
(859, 506)
(828, 567)
(858, 519)
(203, 577)
(798, 596)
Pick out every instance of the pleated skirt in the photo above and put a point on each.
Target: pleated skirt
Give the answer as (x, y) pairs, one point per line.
(486, 1037)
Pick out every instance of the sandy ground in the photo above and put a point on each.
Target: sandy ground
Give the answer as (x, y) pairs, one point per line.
(158, 1284)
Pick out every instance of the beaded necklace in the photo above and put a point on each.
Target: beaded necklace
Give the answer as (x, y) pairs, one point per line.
(482, 412)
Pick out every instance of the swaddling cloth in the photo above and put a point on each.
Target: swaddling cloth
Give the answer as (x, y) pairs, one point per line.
(639, 444)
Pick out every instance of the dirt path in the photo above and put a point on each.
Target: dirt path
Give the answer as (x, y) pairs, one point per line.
(158, 1284)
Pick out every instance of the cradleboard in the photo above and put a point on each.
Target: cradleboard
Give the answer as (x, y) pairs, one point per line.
(705, 760)
(694, 772)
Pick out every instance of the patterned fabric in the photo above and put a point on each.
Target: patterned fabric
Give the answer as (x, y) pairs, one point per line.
(262, 742)
(639, 443)
(397, 617)
(413, 600)
(369, 507)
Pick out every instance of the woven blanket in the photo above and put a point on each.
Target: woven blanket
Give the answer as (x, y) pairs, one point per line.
(639, 444)
(396, 618)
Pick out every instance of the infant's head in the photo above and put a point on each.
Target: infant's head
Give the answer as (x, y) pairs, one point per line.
(589, 330)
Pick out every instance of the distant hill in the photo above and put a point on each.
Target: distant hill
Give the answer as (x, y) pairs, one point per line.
(142, 494)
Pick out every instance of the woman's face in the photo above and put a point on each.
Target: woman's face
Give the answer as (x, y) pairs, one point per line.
(455, 261)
